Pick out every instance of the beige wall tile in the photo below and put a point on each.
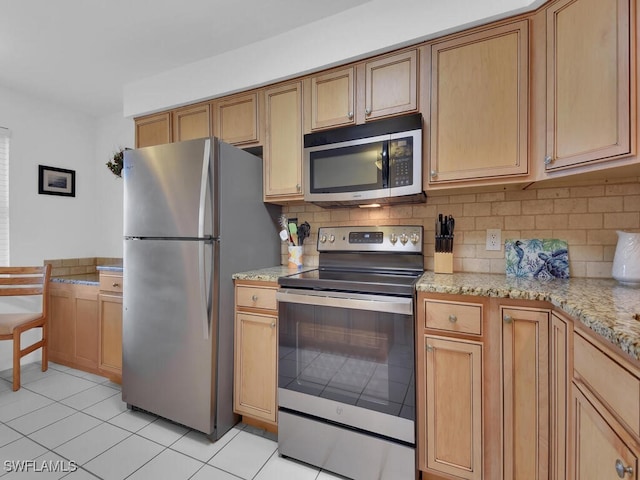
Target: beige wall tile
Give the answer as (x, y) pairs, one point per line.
(587, 217)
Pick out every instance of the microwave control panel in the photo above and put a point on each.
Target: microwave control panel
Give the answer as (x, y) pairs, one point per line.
(401, 162)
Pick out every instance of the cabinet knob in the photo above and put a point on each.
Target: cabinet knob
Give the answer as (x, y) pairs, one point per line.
(433, 174)
(273, 324)
(507, 319)
(621, 470)
(115, 285)
(548, 160)
(429, 348)
(350, 115)
(453, 318)
(367, 111)
(298, 187)
(254, 298)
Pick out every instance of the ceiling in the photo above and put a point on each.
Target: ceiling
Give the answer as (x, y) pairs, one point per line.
(81, 53)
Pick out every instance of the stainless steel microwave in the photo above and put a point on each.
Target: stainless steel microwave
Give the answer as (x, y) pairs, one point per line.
(376, 163)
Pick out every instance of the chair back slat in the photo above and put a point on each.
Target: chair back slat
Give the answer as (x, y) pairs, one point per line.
(19, 281)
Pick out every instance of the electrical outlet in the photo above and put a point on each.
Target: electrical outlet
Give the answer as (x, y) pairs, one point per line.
(494, 240)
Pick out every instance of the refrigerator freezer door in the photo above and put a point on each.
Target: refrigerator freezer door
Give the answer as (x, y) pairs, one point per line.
(168, 190)
(168, 355)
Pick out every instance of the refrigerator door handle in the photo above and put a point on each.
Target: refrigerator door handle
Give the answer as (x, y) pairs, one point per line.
(202, 273)
(204, 297)
(204, 183)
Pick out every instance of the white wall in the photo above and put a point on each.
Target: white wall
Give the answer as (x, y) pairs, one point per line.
(373, 27)
(46, 226)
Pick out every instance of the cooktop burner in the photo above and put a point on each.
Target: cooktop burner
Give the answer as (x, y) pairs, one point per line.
(361, 282)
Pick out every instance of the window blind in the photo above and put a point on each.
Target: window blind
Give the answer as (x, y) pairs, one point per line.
(4, 196)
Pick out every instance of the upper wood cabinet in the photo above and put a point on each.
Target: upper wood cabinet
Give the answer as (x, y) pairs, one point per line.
(283, 145)
(479, 105)
(388, 86)
(236, 119)
(588, 82)
(191, 122)
(330, 99)
(153, 130)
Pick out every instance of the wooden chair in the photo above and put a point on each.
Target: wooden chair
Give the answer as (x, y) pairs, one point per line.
(16, 282)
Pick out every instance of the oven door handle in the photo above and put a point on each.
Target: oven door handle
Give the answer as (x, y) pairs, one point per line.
(354, 301)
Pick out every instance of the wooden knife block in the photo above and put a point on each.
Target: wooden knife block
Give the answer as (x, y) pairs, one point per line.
(443, 262)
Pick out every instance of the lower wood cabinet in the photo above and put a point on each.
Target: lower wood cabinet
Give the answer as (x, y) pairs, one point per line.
(256, 353)
(525, 387)
(110, 322)
(73, 325)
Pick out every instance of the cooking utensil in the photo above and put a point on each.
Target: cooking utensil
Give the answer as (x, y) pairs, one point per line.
(293, 230)
(304, 230)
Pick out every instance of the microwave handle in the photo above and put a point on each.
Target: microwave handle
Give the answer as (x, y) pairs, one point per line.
(385, 164)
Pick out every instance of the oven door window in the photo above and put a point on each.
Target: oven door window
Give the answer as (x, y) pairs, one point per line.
(358, 357)
(349, 168)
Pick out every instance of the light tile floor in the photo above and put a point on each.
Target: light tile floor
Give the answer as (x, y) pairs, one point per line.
(65, 423)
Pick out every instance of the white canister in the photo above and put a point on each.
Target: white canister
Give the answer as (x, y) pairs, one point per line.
(626, 261)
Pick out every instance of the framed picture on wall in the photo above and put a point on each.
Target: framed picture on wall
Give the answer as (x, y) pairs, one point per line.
(56, 181)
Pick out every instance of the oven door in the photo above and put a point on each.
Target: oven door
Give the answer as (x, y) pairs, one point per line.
(348, 359)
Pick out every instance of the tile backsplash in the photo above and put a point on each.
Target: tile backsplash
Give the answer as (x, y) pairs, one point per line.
(79, 266)
(586, 216)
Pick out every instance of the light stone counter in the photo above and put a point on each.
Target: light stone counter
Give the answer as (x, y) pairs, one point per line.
(270, 274)
(603, 305)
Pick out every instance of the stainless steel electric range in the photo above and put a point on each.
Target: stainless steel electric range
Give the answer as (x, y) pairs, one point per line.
(346, 376)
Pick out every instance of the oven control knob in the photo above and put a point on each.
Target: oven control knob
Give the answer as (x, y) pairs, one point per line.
(414, 238)
(332, 238)
(404, 239)
(393, 238)
(323, 238)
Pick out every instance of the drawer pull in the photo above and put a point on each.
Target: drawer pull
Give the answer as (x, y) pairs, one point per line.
(254, 298)
(453, 318)
(115, 285)
(621, 470)
(507, 319)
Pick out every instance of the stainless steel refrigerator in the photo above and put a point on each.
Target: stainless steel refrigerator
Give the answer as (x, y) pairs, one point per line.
(193, 216)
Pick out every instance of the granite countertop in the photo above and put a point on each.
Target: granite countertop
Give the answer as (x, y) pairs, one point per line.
(109, 268)
(605, 306)
(270, 274)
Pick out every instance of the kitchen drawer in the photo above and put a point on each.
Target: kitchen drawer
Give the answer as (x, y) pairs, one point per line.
(256, 297)
(453, 317)
(609, 380)
(110, 282)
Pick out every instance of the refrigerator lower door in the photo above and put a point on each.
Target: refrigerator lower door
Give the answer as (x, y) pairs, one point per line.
(169, 338)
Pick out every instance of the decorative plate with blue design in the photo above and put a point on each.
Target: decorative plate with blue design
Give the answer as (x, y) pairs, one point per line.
(537, 258)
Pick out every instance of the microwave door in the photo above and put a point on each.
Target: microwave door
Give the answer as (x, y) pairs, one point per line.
(353, 167)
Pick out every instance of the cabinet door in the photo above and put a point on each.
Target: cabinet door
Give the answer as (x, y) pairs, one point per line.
(599, 451)
(153, 130)
(390, 85)
(331, 99)
(110, 315)
(283, 153)
(453, 384)
(86, 327)
(479, 105)
(255, 374)
(236, 119)
(61, 318)
(559, 388)
(525, 351)
(191, 122)
(588, 82)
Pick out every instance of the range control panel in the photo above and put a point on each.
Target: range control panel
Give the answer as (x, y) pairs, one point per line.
(381, 238)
